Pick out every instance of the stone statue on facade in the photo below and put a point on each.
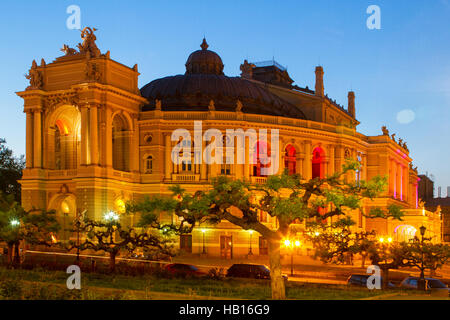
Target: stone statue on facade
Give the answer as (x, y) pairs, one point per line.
(239, 106)
(158, 104)
(393, 137)
(89, 45)
(247, 70)
(35, 77)
(211, 106)
(385, 131)
(68, 50)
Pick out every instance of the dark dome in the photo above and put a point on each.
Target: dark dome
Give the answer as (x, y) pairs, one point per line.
(204, 81)
(204, 61)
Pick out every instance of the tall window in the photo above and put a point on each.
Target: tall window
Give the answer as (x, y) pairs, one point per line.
(318, 163)
(290, 161)
(261, 156)
(149, 164)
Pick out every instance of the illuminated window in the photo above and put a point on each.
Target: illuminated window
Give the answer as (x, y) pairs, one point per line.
(318, 163)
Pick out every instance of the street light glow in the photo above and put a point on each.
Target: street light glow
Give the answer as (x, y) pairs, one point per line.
(389, 239)
(15, 222)
(287, 243)
(298, 243)
(381, 240)
(111, 216)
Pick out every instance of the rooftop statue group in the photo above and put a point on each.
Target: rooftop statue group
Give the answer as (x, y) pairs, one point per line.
(400, 142)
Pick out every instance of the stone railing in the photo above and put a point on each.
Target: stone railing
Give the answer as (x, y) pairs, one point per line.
(62, 173)
(185, 177)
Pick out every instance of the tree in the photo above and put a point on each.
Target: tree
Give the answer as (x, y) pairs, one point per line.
(425, 255)
(111, 237)
(16, 224)
(10, 171)
(284, 197)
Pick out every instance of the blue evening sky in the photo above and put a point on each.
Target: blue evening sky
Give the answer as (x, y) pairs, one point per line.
(403, 66)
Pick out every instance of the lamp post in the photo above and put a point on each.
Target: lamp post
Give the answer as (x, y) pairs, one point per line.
(204, 247)
(289, 244)
(79, 215)
(421, 283)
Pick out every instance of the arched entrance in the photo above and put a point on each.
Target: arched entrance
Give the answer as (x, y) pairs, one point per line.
(66, 213)
(404, 233)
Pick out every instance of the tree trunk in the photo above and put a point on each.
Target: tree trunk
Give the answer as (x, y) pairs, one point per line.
(363, 261)
(276, 279)
(10, 254)
(16, 254)
(385, 276)
(112, 261)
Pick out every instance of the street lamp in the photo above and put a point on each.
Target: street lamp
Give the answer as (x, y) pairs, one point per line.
(15, 223)
(204, 247)
(111, 216)
(289, 244)
(421, 283)
(250, 243)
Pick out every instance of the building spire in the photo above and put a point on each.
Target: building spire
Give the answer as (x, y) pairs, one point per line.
(204, 44)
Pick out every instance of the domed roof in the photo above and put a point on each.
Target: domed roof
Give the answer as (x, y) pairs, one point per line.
(204, 81)
(204, 61)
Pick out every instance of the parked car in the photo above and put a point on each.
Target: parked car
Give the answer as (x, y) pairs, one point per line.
(182, 269)
(361, 280)
(431, 284)
(255, 271)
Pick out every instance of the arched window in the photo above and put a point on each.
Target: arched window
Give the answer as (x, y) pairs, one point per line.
(149, 164)
(121, 144)
(318, 163)
(261, 159)
(290, 160)
(65, 146)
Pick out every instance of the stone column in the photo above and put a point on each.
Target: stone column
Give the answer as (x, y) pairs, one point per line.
(399, 181)
(108, 138)
(37, 139)
(364, 167)
(168, 157)
(135, 151)
(203, 166)
(84, 136)
(331, 165)
(394, 179)
(239, 167)
(281, 158)
(247, 159)
(307, 164)
(29, 142)
(93, 134)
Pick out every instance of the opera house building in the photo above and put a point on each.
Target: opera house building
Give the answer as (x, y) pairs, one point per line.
(95, 140)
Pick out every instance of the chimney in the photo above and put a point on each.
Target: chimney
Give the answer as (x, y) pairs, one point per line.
(351, 103)
(319, 82)
(448, 192)
(439, 192)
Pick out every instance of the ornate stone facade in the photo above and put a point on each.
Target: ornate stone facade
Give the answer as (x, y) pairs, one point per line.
(94, 140)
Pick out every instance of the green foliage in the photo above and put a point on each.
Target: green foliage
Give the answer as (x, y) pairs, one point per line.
(111, 237)
(10, 171)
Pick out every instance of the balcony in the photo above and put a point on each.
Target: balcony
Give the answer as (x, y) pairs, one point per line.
(185, 177)
(258, 180)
